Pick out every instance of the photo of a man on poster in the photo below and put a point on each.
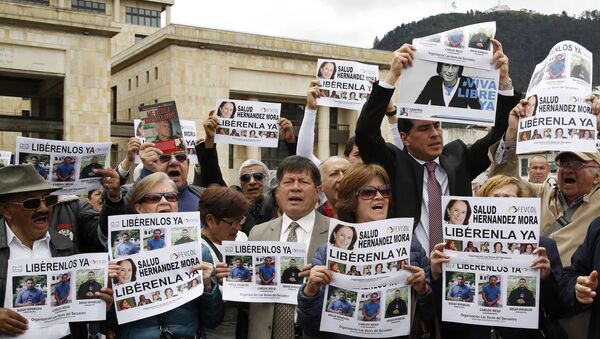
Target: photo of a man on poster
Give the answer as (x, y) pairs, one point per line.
(450, 88)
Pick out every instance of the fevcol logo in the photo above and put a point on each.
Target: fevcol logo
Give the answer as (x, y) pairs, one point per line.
(17, 269)
(397, 229)
(522, 209)
(183, 254)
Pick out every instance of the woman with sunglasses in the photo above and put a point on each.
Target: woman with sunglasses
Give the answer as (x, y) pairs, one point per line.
(222, 212)
(547, 260)
(157, 193)
(363, 195)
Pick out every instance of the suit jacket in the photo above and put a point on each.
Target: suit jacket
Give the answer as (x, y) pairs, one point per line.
(461, 162)
(261, 314)
(432, 92)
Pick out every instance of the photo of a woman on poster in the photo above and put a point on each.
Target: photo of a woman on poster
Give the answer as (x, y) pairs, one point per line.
(226, 110)
(327, 70)
(450, 88)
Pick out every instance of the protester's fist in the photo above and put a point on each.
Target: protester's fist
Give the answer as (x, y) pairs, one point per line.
(110, 181)
(585, 289)
(113, 269)
(210, 126)
(105, 294)
(437, 259)
(207, 269)
(221, 272)
(287, 130)
(318, 276)
(595, 109)
(500, 60)
(149, 154)
(542, 263)
(416, 279)
(518, 112)
(133, 148)
(312, 94)
(11, 322)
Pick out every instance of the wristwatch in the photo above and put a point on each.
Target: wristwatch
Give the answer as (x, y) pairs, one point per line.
(506, 86)
(392, 113)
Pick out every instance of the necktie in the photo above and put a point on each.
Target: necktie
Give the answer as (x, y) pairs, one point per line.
(434, 193)
(283, 316)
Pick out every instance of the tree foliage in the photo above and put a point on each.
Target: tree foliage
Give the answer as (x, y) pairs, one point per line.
(526, 36)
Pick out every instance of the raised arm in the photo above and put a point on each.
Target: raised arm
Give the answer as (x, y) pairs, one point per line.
(306, 135)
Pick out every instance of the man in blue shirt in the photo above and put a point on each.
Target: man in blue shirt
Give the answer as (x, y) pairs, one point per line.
(460, 291)
(126, 247)
(62, 290)
(156, 242)
(372, 308)
(30, 296)
(66, 171)
(35, 161)
(491, 292)
(266, 272)
(341, 305)
(239, 272)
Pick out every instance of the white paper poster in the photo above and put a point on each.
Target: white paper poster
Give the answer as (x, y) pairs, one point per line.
(345, 84)
(250, 123)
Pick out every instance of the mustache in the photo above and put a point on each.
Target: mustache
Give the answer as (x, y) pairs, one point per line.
(40, 215)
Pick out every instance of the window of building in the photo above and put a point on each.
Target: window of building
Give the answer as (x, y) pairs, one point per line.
(129, 114)
(141, 16)
(137, 81)
(139, 37)
(230, 160)
(147, 76)
(156, 101)
(113, 104)
(37, 2)
(85, 5)
(156, 73)
(129, 84)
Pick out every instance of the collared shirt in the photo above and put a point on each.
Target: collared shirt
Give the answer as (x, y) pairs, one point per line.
(304, 232)
(40, 249)
(422, 229)
(460, 291)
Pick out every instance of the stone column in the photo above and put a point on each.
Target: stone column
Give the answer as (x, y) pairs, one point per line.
(168, 15)
(117, 11)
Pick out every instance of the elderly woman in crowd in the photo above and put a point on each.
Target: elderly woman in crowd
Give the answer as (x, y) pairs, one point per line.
(222, 211)
(157, 193)
(547, 261)
(363, 196)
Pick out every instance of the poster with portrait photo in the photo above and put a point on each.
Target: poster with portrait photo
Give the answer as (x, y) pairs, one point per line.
(153, 239)
(467, 46)
(556, 103)
(249, 123)
(44, 290)
(182, 235)
(61, 162)
(379, 312)
(40, 161)
(88, 282)
(89, 163)
(372, 243)
(261, 271)
(188, 127)
(448, 92)
(162, 126)
(125, 243)
(345, 84)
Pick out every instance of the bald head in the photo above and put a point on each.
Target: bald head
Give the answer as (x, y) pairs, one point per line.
(538, 169)
(332, 170)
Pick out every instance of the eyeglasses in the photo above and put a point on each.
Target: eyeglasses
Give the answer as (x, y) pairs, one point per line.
(181, 157)
(575, 164)
(369, 192)
(258, 176)
(35, 203)
(235, 222)
(153, 198)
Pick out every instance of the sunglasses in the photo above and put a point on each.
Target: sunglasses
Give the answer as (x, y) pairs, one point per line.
(235, 222)
(369, 192)
(575, 164)
(257, 176)
(153, 198)
(181, 157)
(35, 203)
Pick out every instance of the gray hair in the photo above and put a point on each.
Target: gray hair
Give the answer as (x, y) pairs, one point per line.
(254, 162)
(143, 186)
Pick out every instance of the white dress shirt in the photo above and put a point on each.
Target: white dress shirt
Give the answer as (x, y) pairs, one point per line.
(303, 233)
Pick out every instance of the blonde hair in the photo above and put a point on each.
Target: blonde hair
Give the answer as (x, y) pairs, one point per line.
(143, 186)
(501, 180)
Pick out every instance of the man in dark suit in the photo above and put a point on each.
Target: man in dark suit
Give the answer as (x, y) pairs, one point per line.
(456, 164)
(298, 183)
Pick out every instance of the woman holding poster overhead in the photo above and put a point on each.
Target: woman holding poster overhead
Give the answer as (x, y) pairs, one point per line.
(450, 88)
(157, 193)
(547, 261)
(363, 196)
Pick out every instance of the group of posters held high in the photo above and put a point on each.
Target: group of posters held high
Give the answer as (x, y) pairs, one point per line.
(155, 253)
(368, 296)
(558, 116)
(489, 279)
(69, 165)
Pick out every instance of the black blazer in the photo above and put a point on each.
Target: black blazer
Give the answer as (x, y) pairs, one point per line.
(461, 162)
(432, 92)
